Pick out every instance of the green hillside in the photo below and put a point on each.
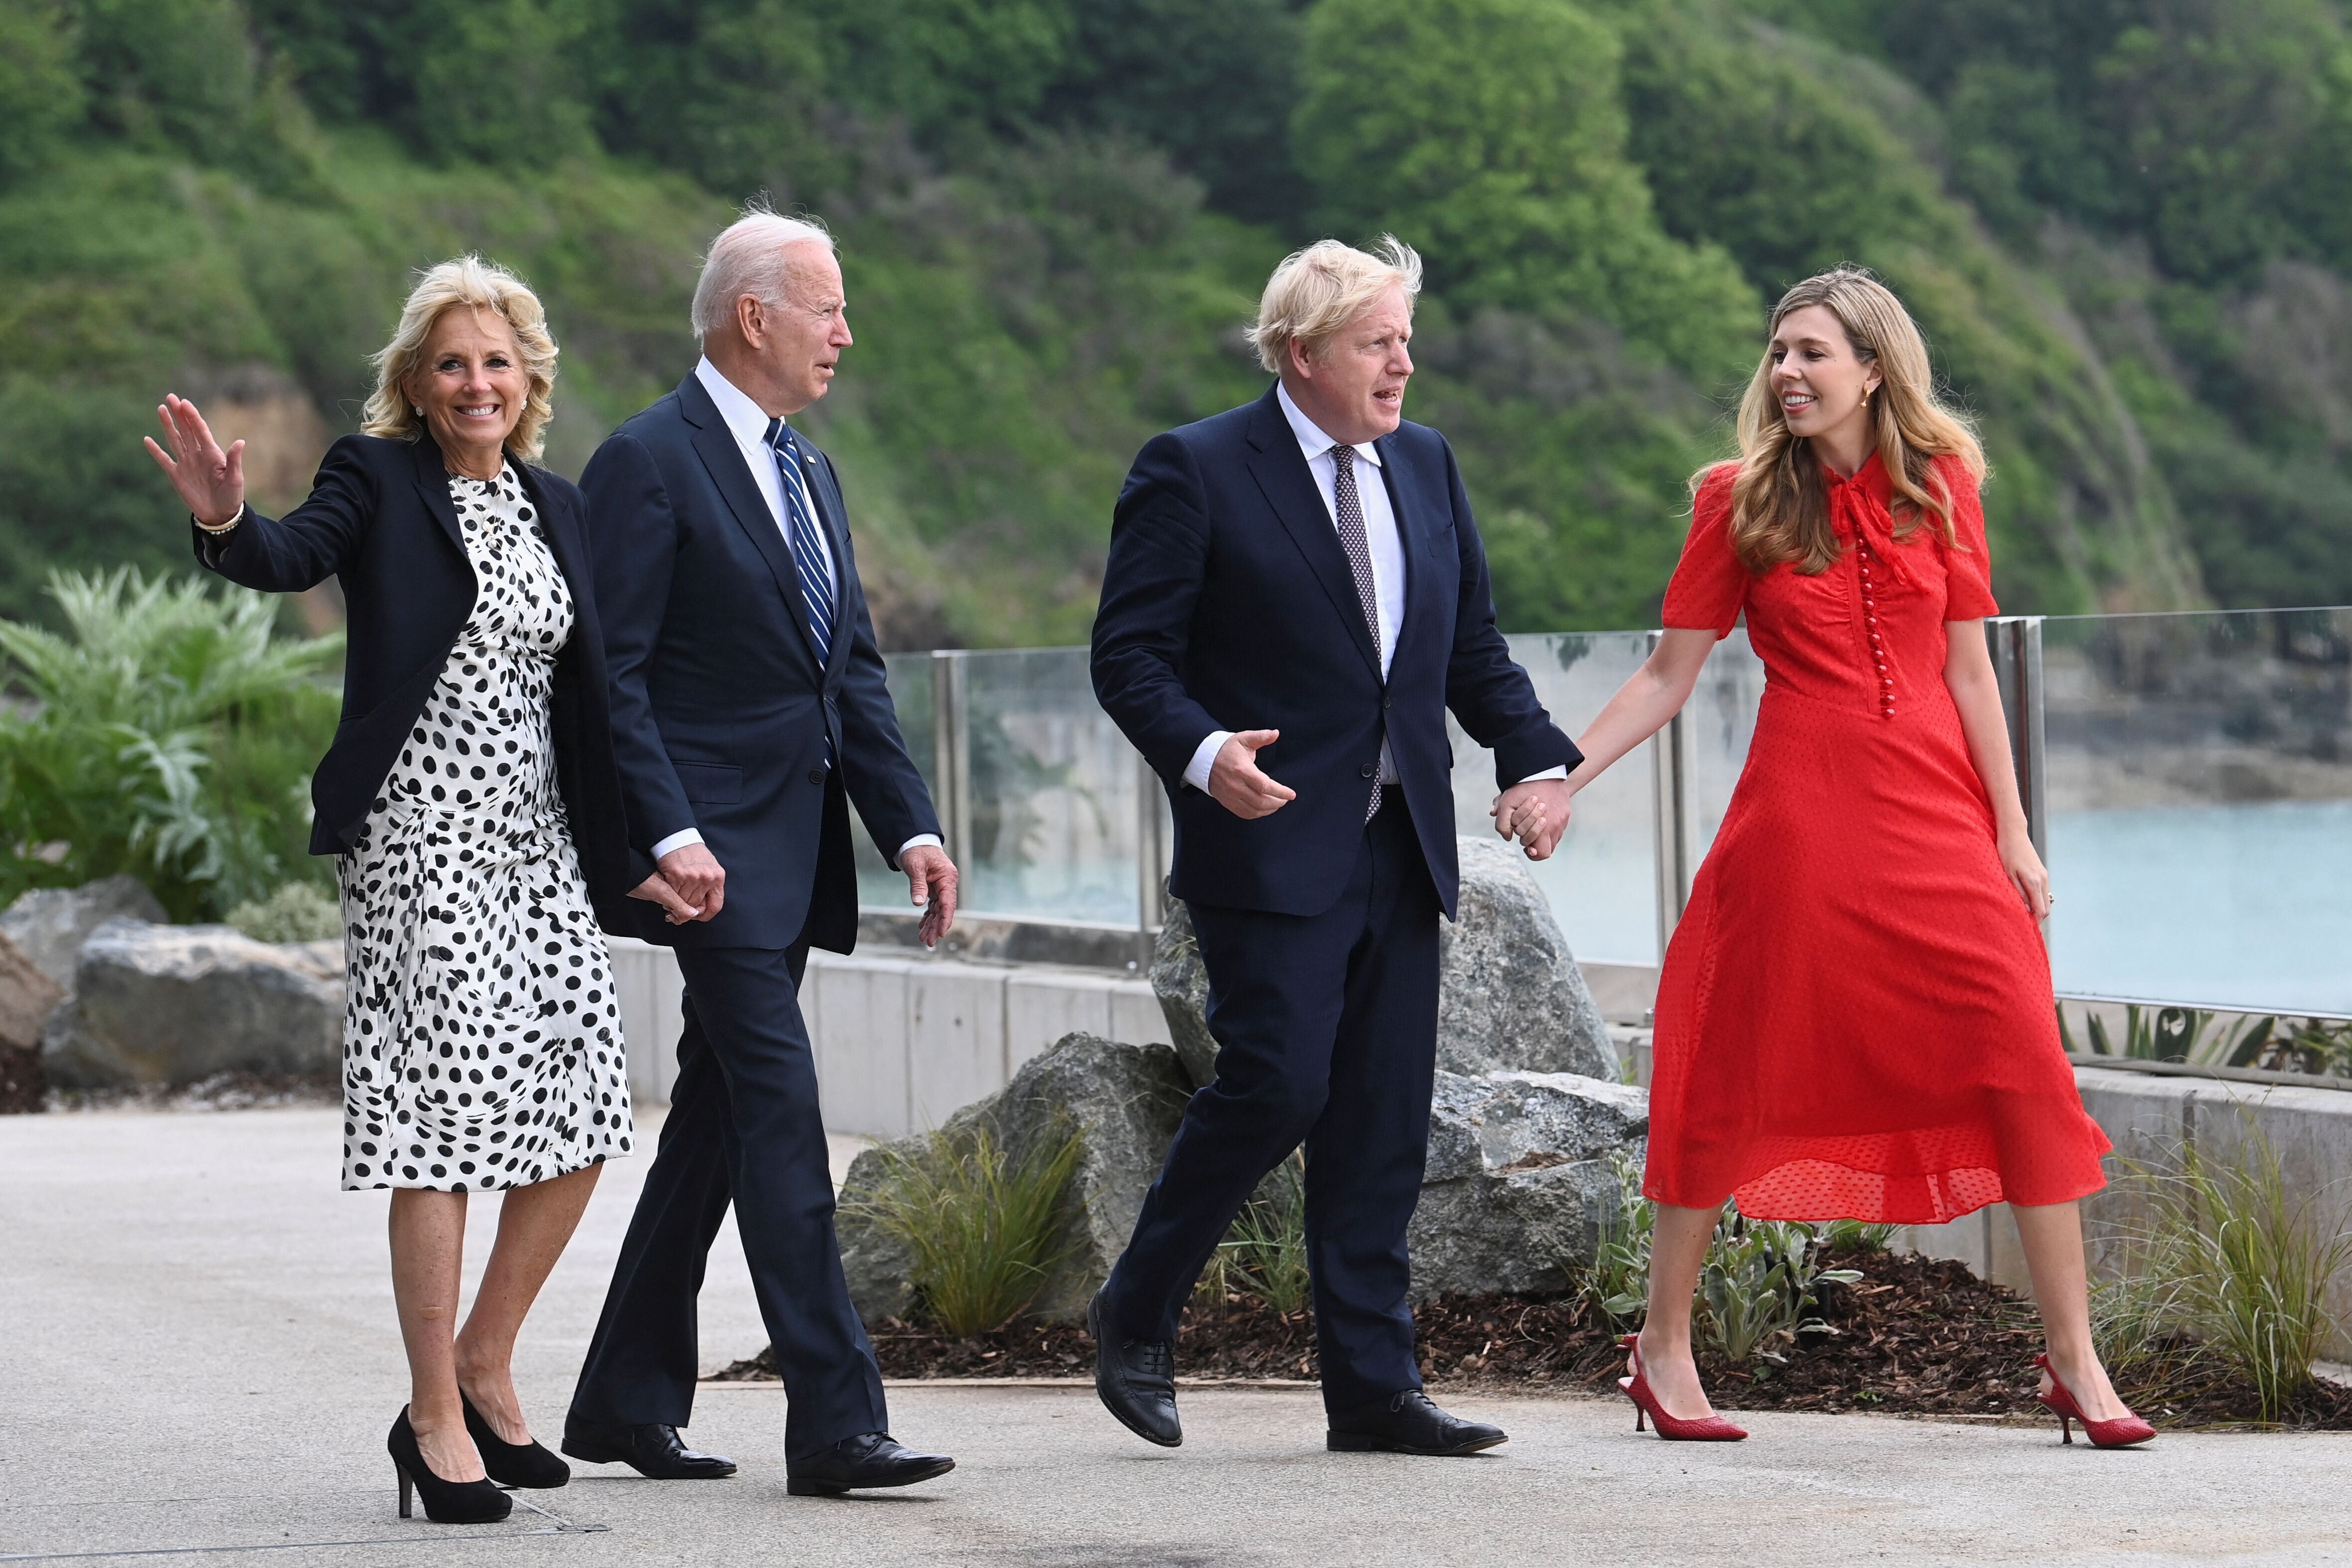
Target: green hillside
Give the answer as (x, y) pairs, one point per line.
(2126, 224)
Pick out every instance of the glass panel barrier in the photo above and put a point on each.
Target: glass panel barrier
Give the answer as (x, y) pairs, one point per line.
(1721, 720)
(1054, 816)
(2200, 777)
(909, 677)
(1602, 882)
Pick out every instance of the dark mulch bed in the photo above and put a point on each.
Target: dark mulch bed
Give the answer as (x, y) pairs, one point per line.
(1915, 1336)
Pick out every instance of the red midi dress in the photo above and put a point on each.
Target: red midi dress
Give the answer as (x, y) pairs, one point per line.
(1854, 1019)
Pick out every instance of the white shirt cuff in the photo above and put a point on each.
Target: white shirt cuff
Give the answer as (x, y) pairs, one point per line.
(930, 839)
(1204, 757)
(676, 842)
(1546, 773)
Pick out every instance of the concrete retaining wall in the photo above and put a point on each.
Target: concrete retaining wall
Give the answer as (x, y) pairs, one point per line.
(2152, 1120)
(901, 1041)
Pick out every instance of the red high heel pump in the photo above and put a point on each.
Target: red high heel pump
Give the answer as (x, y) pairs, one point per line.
(2120, 1433)
(1673, 1428)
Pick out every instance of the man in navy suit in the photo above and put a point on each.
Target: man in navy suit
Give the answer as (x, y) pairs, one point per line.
(748, 713)
(1296, 595)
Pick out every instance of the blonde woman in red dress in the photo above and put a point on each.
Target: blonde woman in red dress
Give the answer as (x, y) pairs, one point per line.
(1854, 1019)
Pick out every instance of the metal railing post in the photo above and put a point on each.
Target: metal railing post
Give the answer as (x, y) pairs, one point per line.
(1669, 774)
(1151, 859)
(2016, 646)
(952, 752)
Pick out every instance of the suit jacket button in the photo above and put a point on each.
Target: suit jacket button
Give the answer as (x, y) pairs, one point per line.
(816, 774)
(1387, 700)
(1367, 771)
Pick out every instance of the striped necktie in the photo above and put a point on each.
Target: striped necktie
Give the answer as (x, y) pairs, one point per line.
(808, 552)
(1348, 511)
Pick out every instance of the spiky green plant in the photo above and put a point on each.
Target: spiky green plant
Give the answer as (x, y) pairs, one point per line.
(1265, 1253)
(981, 1221)
(2222, 1261)
(167, 732)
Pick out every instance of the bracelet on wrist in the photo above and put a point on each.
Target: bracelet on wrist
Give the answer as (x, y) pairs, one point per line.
(233, 519)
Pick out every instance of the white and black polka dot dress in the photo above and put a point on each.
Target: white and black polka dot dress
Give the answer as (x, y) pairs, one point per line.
(481, 1040)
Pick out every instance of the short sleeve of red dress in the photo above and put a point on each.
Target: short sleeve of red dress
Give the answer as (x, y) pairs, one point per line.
(1968, 570)
(1710, 585)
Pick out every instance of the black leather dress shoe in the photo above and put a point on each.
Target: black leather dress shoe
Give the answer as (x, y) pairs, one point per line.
(872, 1460)
(1408, 1423)
(1136, 1380)
(651, 1449)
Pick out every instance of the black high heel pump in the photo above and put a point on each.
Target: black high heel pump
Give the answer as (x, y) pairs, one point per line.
(445, 1502)
(513, 1464)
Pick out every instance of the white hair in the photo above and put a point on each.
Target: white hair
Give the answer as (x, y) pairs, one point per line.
(1317, 290)
(743, 260)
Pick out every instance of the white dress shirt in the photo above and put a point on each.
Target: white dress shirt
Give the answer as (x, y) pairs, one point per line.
(1383, 542)
(747, 422)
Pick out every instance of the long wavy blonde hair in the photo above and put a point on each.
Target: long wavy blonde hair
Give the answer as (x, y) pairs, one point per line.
(469, 281)
(1779, 506)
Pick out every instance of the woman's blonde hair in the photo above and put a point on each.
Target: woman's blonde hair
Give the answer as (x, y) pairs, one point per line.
(1779, 506)
(1317, 290)
(484, 286)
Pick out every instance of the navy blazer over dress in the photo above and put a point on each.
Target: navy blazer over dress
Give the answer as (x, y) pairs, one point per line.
(1228, 603)
(720, 711)
(379, 519)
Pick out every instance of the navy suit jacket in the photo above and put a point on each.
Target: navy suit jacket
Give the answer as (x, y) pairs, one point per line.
(1228, 603)
(379, 519)
(721, 710)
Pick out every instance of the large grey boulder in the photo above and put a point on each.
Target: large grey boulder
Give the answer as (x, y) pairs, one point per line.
(1123, 1100)
(1510, 997)
(50, 925)
(28, 997)
(1518, 1171)
(1181, 981)
(173, 1003)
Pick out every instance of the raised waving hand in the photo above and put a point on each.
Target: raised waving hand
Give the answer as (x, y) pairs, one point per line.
(211, 481)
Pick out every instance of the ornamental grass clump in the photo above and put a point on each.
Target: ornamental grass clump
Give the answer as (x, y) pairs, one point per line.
(2222, 1268)
(1264, 1252)
(981, 1221)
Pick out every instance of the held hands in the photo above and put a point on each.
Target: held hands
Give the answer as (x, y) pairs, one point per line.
(2026, 873)
(696, 882)
(212, 482)
(1535, 812)
(1235, 783)
(932, 886)
(656, 889)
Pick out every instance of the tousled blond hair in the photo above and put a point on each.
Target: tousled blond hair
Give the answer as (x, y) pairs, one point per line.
(1779, 505)
(483, 286)
(1317, 290)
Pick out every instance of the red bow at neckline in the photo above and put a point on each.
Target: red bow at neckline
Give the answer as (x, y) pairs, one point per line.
(1858, 510)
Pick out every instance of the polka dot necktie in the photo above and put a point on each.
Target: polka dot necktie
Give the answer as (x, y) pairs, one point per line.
(1350, 509)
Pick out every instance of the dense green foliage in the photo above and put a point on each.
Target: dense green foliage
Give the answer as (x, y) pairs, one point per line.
(170, 733)
(2124, 223)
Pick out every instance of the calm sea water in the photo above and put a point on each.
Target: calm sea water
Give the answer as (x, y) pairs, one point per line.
(2244, 904)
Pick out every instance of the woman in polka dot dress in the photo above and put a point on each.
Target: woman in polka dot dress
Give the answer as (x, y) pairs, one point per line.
(1854, 1016)
(471, 801)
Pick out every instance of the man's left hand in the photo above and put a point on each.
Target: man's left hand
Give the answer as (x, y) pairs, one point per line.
(931, 885)
(1535, 812)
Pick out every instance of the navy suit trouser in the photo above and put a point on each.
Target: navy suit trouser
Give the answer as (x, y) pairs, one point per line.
(743, 1126)
(1327, 1034)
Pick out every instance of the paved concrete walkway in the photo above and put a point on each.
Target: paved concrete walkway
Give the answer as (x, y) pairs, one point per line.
(200, 1363)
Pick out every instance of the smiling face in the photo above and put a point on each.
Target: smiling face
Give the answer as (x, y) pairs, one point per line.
(1352, 384)
(1819, 380)
(472, 386)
